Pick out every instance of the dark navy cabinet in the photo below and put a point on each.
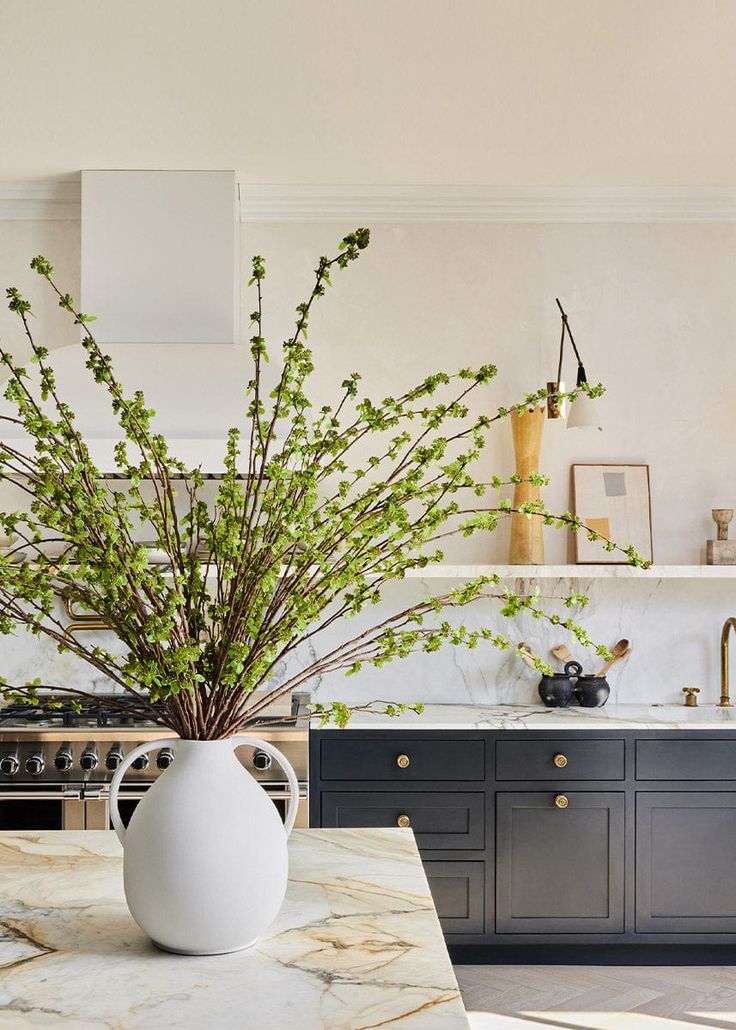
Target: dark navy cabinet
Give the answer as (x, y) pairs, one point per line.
(686, 862)
(578, 840)
(560, 869)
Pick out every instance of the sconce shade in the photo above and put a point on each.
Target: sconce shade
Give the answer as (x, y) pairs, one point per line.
(584, 413)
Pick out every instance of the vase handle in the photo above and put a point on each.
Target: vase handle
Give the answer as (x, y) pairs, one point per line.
(151, 745)
(274, 752)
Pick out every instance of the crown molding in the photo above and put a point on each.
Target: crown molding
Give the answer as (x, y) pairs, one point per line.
(46, 200)
(39, 200)
(486, 204)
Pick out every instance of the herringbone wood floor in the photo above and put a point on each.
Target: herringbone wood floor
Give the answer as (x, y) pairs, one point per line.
(599, 997)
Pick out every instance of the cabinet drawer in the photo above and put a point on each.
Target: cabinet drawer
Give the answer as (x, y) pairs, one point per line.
(560, 759)
(385, 758)
(686, 759)
(447, 820)
(458, 890)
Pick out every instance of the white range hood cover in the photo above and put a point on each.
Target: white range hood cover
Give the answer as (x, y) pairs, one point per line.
(159, 254)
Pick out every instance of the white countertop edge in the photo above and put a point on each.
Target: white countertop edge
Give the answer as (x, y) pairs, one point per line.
(536, 717)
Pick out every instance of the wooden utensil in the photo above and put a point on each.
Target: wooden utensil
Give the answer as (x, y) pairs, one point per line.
(561, 653)
(619, 651)
(527, 656)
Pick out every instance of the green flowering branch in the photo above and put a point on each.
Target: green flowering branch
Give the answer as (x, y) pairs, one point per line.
(315, 512)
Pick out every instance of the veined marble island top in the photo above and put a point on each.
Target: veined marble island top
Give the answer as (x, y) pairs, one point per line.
(357, 944)
(537, 717)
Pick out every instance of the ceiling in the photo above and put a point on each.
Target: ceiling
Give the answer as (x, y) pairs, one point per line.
(535, 92)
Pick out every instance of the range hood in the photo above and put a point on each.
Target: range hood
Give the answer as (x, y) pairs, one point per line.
(159, 252)
(159, 271)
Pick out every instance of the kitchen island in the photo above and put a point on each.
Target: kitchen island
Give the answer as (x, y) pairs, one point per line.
(357, 944)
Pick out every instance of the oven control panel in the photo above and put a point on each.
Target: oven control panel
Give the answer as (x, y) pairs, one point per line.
(74, 760)
(96, 760)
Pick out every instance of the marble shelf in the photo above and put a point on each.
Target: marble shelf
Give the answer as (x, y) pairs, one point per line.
(357, 943)
(537, 717)
(574, 572)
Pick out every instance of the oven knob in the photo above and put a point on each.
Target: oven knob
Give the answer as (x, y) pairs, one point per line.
(165, 758)
(141, 762)
(261, 761)
(114, 757)
(35, 764)
(9, 765)
(64, 760)
(89, 759)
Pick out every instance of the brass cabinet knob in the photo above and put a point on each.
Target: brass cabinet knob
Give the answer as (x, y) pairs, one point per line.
(561, 800)
(403, 761)
(403, 821)
(560, 761)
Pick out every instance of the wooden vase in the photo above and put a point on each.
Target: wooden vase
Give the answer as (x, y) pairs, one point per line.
(527, 543)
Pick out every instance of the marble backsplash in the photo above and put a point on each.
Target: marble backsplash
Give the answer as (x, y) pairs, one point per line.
(673, 627)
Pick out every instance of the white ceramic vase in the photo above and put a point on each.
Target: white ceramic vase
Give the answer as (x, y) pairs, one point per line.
(205, 858)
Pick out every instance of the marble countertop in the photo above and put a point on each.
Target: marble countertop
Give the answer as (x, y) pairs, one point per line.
(537, 717)
(357, 944)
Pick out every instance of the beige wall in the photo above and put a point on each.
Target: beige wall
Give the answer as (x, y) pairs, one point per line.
(652, 306)
(654, 313)
(567, 92)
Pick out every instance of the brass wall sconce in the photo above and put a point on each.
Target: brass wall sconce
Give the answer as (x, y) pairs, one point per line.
(582, 411)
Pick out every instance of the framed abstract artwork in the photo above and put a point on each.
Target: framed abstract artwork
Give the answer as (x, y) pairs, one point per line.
(614, 501)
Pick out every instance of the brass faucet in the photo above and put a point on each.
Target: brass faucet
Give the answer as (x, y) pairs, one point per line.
(729, 624)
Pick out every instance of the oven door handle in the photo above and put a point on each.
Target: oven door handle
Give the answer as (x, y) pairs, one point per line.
(134, 794)
(284, 795)
(40, 795)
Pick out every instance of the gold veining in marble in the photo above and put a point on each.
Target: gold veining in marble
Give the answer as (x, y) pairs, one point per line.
(357, 945)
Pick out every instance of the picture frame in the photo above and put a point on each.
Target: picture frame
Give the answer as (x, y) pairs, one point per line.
(615, 501)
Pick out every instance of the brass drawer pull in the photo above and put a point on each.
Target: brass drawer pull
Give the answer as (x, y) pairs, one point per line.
(403, 761)
(561, 800)
(560, 761)
(403, 821)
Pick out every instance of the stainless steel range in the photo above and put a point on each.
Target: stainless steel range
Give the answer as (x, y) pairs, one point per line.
(56, 764)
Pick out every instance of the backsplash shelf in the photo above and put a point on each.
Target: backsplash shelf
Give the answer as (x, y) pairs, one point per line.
(574, 572)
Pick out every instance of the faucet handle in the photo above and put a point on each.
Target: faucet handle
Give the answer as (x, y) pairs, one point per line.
(690, 693)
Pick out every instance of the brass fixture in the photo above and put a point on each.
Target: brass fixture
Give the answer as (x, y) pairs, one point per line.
(581, 413)
(691, 693)
(560, 761)
(556, 405)
(81, 622)
(83, 627)
(403, 821)
(561, 801)
(403, 761)
(729, 624)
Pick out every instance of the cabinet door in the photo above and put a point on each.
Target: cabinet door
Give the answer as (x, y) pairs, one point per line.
(685, 855)
(560, 870)
(458, 890)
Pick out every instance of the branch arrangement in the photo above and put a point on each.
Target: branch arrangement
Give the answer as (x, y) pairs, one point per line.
(301, 535)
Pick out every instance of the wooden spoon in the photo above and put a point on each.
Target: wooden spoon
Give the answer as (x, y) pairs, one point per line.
(528, 656)
(561, 653)
(619, 651)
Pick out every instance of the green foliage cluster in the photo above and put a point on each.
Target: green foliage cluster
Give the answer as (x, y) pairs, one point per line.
(300, 536)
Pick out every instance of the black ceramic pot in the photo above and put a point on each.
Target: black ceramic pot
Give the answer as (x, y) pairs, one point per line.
(556, 691)
(592, 691)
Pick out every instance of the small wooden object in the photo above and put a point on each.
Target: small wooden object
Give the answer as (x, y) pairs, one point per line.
(721, 551)
(527, 543)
